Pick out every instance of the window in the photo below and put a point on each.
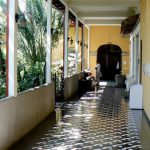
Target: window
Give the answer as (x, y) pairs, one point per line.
(57, 40)
(86, 48)
(31, 51)
(58, 47)
(3, 47)
(80, 47)
(71, 45)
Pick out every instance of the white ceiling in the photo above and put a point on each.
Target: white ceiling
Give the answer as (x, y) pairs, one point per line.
(103, 11)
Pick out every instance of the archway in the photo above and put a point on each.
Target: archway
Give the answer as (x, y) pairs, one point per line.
(110, 58)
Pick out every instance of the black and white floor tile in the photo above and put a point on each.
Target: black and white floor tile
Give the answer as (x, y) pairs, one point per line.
(99, 120)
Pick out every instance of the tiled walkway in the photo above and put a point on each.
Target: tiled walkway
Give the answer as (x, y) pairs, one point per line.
(96, 121)
(99, 120)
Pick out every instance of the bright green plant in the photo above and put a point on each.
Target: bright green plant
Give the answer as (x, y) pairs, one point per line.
(32, 43)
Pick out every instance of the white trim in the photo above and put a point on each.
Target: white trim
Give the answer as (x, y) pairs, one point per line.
(48, 49)
(131, 55)
(104, 25)
(135, 53)
(136, 28)
(12, 52)
(66, 43)
(87, 26)
(105, 18)
(70, 9)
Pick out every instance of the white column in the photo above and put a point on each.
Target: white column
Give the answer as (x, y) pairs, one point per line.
(88, 49)
(12, 51)
(139, 59)
(48, 49)
(83, 60)
(131, 56)
(66, 44)
(76, 46)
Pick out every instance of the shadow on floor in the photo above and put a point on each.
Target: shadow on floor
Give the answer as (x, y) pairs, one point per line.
(92, 121)
(36, 134)
(143, 126)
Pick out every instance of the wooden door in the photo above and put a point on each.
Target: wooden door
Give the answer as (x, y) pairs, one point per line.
(110, 58)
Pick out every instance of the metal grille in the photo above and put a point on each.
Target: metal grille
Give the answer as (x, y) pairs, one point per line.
(58, 79)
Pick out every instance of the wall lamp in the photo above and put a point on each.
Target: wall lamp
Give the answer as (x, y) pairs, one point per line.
(86, 45)
(80, 42)
(71, 40)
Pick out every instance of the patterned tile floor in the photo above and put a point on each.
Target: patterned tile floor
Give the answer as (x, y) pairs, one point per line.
(96, 121)
(99, 120)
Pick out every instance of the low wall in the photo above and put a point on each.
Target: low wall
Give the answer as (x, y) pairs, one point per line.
(19, 115)
(71, 85)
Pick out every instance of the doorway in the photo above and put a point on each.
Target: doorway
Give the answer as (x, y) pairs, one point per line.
(110, 58)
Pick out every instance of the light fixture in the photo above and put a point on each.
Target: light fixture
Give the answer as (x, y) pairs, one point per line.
(71, 41)
(81, 43)
(86, 46)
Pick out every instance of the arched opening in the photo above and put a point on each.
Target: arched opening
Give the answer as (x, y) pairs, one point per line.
(110, 58)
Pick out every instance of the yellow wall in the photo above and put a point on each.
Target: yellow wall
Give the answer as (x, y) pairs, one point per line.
(100, 35)
(145, 36)
(79, 48)
(57, 52)
(85, 48)
(71, 34)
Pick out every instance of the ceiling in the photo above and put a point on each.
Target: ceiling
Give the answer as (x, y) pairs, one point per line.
(108, 12)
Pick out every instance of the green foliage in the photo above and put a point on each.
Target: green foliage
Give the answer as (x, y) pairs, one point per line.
(31, 50)
(2, 49)
(32, 44)
(57, 26)
(2, 85)
(2, 74)
(32, 36)
(30, 76)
